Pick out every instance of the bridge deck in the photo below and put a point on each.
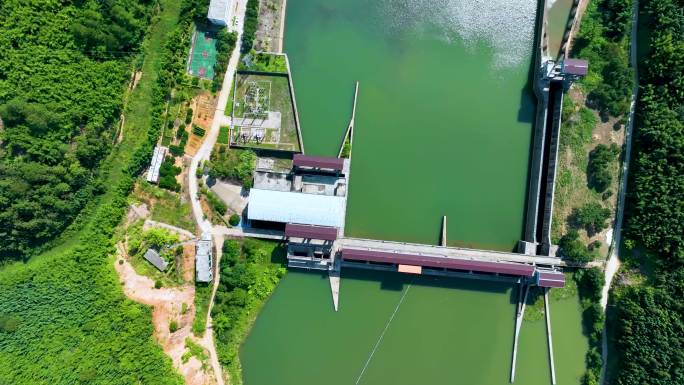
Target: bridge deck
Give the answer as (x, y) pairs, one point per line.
(446, 252)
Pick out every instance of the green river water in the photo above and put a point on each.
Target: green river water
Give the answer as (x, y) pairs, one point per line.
(445, 331)
(443, 127)
(444, 116)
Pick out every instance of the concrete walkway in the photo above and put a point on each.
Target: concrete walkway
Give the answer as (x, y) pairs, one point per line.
(204, 151)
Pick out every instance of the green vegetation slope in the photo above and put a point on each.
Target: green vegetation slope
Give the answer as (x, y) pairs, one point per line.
(63, 316)
(648, 321)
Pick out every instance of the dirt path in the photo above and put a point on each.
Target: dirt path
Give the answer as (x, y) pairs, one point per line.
(208, 339)
(184, 234)
(168, 304)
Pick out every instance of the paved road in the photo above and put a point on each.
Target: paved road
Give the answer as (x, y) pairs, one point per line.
(204, 153)
(613, 263)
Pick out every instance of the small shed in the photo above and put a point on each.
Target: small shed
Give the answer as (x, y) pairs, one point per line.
(204, 259)
(157, 160)
(152, 256)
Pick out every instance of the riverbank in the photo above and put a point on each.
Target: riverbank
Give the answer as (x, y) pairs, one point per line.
(249, 269)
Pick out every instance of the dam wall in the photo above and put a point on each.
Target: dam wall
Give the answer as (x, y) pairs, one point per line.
(549, 85)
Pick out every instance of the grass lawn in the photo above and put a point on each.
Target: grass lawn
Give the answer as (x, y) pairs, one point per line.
(202, 297)
(572, 190)
(265, 62)
(165, 206)
(224, 135)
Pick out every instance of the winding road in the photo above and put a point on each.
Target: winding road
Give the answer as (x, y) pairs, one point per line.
(203, 154)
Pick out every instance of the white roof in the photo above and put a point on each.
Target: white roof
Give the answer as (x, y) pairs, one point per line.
(295, 207)
(157, 160)
(219, 10)
(203, 259)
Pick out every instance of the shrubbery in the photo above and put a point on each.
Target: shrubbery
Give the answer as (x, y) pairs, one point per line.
(225, 43)
(249, 274)
(603, 39)
(601, 159)
(592, 217)
(234, 220)
(572, 248)
(216, 203)
(250, 25)
(197, 130)
(233, 164)
(167, 175)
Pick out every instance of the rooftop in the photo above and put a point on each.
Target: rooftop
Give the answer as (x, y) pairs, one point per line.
(152, 256)
(437, 262)
(155, 164)
(218, 10)
(203, 259)
(294, 207)
(311, 232)
(550, 279)
(336, 164)
(575, 67)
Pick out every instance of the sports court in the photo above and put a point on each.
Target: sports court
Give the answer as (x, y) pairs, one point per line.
(202, 54)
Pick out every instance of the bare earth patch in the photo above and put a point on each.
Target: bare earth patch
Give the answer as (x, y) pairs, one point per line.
(168, 305)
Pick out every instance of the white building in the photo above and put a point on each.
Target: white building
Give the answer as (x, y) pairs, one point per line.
(203, 259)
(157, 160)
(220, 12)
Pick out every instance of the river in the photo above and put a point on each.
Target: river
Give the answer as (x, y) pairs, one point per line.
(443, 127)
(444, 331)
(444, 118)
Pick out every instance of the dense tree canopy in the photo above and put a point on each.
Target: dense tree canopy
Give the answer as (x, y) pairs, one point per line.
(649, 323)
(62, 72)
(657, 194)
(603, 39)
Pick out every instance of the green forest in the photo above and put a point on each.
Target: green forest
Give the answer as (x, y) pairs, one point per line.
(250, 270)
(648, 315)
(63, 316)
(63, 71)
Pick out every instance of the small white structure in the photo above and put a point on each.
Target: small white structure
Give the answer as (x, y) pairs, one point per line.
(157, 160)
(203, 259)
(220, 12)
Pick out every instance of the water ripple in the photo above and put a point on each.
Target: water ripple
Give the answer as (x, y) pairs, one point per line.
(507, 26)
